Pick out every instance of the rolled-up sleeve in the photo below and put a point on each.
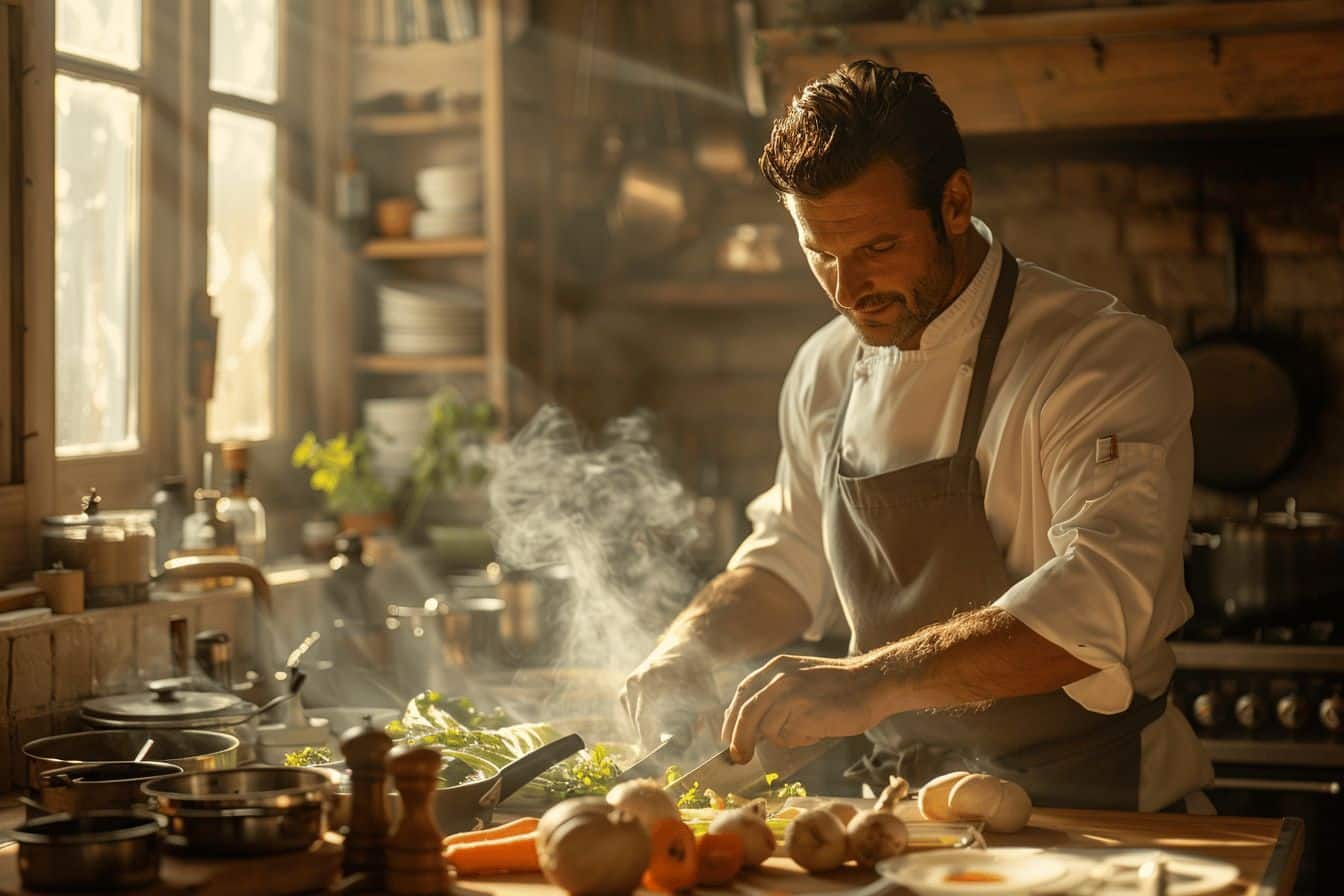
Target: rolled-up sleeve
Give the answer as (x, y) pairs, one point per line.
(1116, 464)
(786, 519)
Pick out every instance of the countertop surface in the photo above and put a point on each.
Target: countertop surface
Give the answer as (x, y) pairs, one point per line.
(1265, 850)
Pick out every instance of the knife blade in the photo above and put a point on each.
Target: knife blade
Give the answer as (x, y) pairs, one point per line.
(720, 774)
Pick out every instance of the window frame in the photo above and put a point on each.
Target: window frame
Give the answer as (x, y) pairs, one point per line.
(173, 84)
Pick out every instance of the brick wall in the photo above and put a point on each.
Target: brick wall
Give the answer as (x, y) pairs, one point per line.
(1144, 219)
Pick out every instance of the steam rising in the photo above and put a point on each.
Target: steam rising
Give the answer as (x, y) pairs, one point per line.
(614, 515)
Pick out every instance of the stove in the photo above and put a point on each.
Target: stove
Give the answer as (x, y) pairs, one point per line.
(1268, 705)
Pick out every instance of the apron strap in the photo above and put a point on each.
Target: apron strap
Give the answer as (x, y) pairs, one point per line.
(991, 334)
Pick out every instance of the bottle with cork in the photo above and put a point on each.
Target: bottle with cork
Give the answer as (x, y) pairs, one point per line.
(242, 508)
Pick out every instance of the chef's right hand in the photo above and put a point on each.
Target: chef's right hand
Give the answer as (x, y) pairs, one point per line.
(669, 692)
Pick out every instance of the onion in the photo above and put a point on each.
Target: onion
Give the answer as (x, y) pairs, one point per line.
(875, 835)
(748, 823)
(645, 799)
(933, 796)
(591, 849)
(816, 840)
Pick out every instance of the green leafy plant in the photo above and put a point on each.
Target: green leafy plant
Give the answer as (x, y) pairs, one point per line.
(341, 470)
(452, 454)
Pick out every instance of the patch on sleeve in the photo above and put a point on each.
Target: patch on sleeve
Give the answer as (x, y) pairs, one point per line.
(1108, 449)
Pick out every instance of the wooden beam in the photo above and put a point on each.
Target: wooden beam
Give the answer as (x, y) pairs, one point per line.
(996, 30)
(1020, 86)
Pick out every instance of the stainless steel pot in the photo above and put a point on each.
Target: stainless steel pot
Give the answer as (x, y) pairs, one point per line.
(96, 851)
(191, 750)
(91, 786)
(1278, 569)
(244, 811)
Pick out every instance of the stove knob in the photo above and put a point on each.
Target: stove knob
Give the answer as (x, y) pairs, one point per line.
(1293, 711)
(1208, 709)
(1332, 713)
(1251, 711)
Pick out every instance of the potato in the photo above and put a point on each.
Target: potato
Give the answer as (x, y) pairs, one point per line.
(816, 841)
(933, 796)
(843, 811)
(875, 835)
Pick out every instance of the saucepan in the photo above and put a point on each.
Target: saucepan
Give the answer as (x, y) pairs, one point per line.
(190, 750)
(93, 851)
(242, 811)
(471, 804)
(78, 789)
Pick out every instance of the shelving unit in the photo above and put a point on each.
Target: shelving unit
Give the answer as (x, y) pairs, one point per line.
(466, 111)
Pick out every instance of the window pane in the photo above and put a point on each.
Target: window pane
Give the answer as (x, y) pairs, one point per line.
(97, 270)
(106, 30)
(241, 274)
(243, 48)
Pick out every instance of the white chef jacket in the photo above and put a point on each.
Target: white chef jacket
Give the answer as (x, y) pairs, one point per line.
(1087, 464)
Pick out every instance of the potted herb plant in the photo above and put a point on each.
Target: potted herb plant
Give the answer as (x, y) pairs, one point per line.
(450, 465)
(342, 471)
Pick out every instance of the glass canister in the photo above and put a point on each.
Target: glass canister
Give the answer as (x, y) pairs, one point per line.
(115, 548)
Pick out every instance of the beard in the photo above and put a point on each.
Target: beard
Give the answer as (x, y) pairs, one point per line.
(905, 315)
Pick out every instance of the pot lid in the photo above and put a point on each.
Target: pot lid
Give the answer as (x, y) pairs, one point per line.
(165, 703)
(94, 515)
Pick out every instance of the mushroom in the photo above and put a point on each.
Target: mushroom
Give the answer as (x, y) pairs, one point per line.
(748, 823)
(816, 840)
(645, 799)
(875, 835)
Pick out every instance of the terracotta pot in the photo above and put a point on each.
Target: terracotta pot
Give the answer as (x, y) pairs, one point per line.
(367, 524)
(394, 217)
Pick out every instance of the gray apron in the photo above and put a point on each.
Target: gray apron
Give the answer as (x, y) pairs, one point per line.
(911, 547)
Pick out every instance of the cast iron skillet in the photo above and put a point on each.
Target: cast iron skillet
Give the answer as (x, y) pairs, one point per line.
(1254, 396)
(470, 805)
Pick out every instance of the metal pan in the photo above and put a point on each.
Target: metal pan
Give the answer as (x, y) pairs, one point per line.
(470, 805)
(191, 750)
(1254, 400)
(95, 851)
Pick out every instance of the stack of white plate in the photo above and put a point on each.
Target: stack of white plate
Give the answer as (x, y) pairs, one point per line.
(428, 319)
(397, 426)
(451, 195)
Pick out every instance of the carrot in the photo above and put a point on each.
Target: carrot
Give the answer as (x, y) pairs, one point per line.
(506, 854)
(672, 859)
(720, 858)
(511, 829)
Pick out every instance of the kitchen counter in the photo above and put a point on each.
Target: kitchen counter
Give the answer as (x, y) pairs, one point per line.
(1266, 851)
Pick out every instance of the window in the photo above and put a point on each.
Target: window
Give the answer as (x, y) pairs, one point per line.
(98, 227)
(136, 195)
(244, 78)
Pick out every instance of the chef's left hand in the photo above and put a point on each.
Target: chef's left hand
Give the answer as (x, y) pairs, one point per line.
(794, 701)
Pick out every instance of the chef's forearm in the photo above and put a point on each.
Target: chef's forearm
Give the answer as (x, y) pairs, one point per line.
(982, 655)
(742, 613)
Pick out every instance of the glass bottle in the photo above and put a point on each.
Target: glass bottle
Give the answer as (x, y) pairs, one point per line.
(242, 509)
(205, 529)
(171, 508)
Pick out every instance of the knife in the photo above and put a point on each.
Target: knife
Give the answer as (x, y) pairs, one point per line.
(720, 774)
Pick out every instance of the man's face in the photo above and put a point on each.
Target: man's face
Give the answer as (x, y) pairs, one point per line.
(877, 255)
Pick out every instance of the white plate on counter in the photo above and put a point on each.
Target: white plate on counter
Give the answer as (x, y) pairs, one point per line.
(1015, 870)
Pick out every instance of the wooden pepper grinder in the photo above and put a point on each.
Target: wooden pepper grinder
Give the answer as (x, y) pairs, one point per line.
(415, 863)
(365, 749)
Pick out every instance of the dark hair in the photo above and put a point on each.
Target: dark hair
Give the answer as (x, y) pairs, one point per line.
(864, 110)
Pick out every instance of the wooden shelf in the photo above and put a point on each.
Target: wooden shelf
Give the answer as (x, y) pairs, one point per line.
(421, 363)
(724, 291)
(452, 247)
(415, 124)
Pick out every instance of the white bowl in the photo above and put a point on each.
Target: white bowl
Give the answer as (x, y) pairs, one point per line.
(431, 224)
(449, 186)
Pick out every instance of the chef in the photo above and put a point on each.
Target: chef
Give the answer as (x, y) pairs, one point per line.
(985, 468)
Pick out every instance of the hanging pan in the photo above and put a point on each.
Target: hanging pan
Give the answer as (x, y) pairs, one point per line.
(1253, 404)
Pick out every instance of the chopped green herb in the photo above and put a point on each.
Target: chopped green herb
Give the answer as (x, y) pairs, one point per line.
(308, 756)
